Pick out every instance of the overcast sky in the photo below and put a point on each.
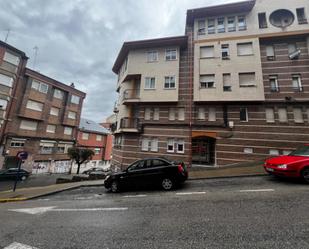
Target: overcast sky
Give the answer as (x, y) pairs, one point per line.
(79, 40)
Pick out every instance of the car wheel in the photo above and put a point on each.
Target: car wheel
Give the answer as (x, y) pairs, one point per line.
(167, 184)
(305, 175)
(23, 178)
(115, 187)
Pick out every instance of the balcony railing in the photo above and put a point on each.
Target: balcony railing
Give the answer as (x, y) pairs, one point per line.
(131, 94)
(130, 123)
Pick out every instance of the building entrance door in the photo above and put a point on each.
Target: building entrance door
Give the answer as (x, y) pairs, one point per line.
(203, 151)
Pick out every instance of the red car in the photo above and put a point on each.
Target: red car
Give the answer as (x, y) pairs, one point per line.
(296, 164)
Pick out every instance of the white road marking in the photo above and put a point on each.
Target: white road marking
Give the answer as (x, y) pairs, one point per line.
(134, 196)
(256, 190)
(41, 210)
(191, 193)
(16, 245)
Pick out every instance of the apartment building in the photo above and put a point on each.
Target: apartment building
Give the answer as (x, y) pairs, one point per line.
(92, 135)
(12, 66)
(43, 121)
(234, 89)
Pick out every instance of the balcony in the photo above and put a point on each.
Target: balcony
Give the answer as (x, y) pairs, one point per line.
(131, 96)
(130, 125)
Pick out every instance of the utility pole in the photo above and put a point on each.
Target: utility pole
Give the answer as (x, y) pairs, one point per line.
(36, 48)
(7, 35)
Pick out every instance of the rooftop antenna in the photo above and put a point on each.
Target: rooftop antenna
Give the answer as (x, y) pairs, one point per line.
(36, 48)
(7, 35)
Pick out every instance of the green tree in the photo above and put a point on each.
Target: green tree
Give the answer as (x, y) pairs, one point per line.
(80, 155)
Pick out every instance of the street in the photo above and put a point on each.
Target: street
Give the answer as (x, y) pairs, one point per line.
(247, 212)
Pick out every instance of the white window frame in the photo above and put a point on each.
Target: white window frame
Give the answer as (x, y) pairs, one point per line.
(270, 115)
(172, 114)
(75, 99)
(227, 83)
(169, 82)
(248, 84)
(231, 26)
(85, 136)
(154, 145)
(221, 25)
(150, 83)
(241, 25)
(212, 114)
(181, 114)
(206, 83)
(225, 51)
(247, 115)
(28, 125)
(180, 142)
(171, 54)
(34, 105)
(6, 80)
(58, 94)
(54, 111)
(283, 115)
(72, 115)
(40, 86)
(209, 52)
(17, 143)
(11, 58)
(241, 52)
(201, 113)
(248, 150)
(297, 82)
(68, 130)
(156, 114)
(274, 152)
(148, 113)
(274, 79)
(99, 138)
(211, 25)
(270, 52)
(152, 56)
(51, 128)
(201, 27)
(298, 111)
(170, 142)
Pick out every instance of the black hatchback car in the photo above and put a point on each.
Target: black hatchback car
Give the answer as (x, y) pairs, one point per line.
(11, 174)
(148, 172)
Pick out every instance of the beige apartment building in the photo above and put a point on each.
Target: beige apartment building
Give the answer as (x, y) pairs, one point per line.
(234, 89)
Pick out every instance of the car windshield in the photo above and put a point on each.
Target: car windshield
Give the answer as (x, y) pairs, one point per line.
(302, 151)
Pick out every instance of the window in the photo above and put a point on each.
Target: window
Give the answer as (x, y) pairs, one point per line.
(270, 115)
(150, 83)
(152, 56)
(39, 86)
(247, 79)
(28, 125)
(58, 94)
(207, 52)
(148, 112)
(170, 54)
(201, 113)
(243, 114)
(270, 52)
(75, 99)
(301, 16)
(292, 48)
(158, 163)
(10, 58)
(281, 18)
(207, 81)
(54, 111)
(71, 115)
(145, 144)
(220, 25)
(3, 104)
(242, 23)
(68, 130)
(274, 152)
(85, 136)
(51, 128)
(273, 81)
(201, 28)
(98, 138)
(248, 150)
(6, 80)
(156, 113)
(33, 105)
(283, 115)
(211, 26)
(225, 51)
(286, 152)
(212, 114)
(180, 146)
(169, 82)
(46, 148)
(171, 114)
(181, 114)
(227, 84)
(154, 145)
(231, 24)
(97, 151)
(17, 143)
(298, 115)
(244, 49)
(170, 145)
(262, 20)
(296, 81)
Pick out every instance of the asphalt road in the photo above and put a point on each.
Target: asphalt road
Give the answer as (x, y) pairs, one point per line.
(249, 213)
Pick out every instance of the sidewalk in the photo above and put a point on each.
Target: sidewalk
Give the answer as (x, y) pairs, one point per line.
(230, 171)
(23, 194)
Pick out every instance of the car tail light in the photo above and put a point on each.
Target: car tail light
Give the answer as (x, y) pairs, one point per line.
(180, 168)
